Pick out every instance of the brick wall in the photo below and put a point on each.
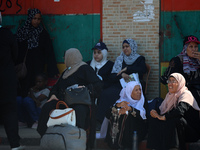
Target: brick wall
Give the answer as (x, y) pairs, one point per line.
(118, 24)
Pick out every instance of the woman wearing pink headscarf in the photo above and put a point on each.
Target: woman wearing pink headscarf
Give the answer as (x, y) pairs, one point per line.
(178, 120)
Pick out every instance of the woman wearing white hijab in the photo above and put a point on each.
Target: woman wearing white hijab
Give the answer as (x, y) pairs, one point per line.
(127, 115)
(101, 65)
(178, 120)
(127, 63)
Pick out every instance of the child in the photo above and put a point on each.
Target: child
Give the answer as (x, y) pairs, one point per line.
(31, 106)
(102, 67)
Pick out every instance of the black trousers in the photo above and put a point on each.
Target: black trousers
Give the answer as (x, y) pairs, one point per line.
(82, 114)
(8, 114)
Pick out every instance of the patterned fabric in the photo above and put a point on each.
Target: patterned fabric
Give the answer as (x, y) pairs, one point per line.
(28, 32)
(128, 59)
(189, 64)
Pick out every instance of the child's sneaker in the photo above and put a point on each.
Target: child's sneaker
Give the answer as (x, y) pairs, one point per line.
(34, 126)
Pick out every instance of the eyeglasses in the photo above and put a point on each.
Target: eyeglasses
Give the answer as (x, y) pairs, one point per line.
(171, 81)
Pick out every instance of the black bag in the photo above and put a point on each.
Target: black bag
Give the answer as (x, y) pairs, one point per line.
(21, 69)
(65, 137)
(77, 96)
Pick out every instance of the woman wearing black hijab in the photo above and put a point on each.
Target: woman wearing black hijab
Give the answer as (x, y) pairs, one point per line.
(34, 41)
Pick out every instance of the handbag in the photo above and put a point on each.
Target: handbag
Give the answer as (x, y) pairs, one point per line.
(21, 69)
(62, 116)
(63, 137)
(77, 96)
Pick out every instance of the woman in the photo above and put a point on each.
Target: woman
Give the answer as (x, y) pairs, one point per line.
(127, 63)
(187, 63)
(77, 73)
(101, 65)
(35, 44)
(127, 115)
(178, 120)
(8, 93)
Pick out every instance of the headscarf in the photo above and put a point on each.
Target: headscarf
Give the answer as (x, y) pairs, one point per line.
(181, 95)
(189, 64)
(28, 32)
(94, 64)
(125, 95)
(128, 59)
(73, 60)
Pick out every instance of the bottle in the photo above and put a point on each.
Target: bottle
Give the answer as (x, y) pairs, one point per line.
(135, 141)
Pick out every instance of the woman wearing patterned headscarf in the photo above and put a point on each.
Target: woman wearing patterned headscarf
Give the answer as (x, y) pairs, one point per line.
(177, 120)
(34, 43)
(127, 63)
(187, 63)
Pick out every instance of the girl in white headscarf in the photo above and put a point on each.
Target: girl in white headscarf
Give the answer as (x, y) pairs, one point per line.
(127, 115)
(178, 120)
(101, 65)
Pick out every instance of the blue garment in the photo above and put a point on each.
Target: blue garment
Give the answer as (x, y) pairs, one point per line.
(27, 110)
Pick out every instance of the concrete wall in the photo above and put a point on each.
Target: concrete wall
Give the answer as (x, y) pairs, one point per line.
(118, 24)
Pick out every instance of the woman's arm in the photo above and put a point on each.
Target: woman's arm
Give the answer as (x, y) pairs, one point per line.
(175, 65)
(138, 66)
(177, 112)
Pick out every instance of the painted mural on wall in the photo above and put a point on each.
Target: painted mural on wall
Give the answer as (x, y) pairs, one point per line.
(147, 13)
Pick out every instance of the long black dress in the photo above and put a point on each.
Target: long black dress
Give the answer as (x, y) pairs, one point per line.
(8, 80)
(109, 95)
(105, 72)
(181, 126)
(121, 128)
(83, 76)
(192, 80)
(36, 60)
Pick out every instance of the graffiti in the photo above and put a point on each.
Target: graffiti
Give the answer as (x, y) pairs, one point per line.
(9, 5)
(147, 14)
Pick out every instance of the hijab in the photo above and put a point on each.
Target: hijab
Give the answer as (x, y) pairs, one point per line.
(189, 64)
(127, 59)
(125, 95)
(28, 32)
(73, 60)
(94, 64)
(181, 95)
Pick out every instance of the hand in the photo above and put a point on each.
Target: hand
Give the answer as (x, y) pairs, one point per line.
(53, 97)
(122, 111)
(126, 77)
(154, 113)
(196, 55)
(124, 105)
(123, 70)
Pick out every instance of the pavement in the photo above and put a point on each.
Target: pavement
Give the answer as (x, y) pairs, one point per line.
(31, 140)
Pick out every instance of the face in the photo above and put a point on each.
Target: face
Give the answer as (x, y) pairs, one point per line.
(98, 56)
(126, 49)
(36, 20)
(40, 83)
(172, 85)
(192, 47)
(136, 93)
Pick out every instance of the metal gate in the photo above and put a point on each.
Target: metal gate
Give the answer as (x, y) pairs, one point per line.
(70, 23)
